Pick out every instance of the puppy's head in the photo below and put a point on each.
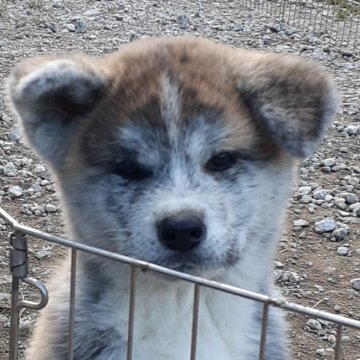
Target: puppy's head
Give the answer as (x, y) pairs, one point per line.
(175, 151)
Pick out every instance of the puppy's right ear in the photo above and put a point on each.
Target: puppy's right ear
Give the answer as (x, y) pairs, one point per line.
(52, 96)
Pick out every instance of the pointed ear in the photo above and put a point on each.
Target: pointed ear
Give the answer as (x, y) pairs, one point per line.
(52, 96)
(292, 99)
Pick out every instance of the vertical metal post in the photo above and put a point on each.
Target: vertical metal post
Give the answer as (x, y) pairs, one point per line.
(356, 36)
(18, 268)
(339, 331)
(264, 323)
(195, 321)
(345, 20)
(14, 320)
(132, 293)
(72, 305)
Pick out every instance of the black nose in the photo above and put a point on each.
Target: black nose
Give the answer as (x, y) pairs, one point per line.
(181, 233)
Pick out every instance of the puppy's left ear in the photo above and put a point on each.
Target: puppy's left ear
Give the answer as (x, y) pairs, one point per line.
(292, 99)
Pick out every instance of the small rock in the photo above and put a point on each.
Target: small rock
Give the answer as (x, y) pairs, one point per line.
(345, 338)
(50, 208)
(80, 26)
(328, 197)
(353, 181)
(10, 169)
(340, 233)
(301, 223)
(306, 199)
(340, 203)
(92, 12)
(133, 37)
(348, 66)
(39, 169)
(351, 198)
(57, 5)
(313, 324)
(320, 352)
(326, 169)
(329, 162)
(351, 129)
(42, 254)
(304, 190)
(182, 20)
(52, 26)
(286, 276)
(14, 134)
(15, 191)
(71, 27)
(319, 194)
(355, 283)
(342, 250)
(275, 27)
(325, 225)
(278, 264)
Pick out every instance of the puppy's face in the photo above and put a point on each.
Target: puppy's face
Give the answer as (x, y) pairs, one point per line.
(178, 152)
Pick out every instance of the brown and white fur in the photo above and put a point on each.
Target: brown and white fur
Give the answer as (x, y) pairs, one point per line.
(184, 132)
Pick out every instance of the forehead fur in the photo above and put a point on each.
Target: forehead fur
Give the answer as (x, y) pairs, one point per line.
(167, 84)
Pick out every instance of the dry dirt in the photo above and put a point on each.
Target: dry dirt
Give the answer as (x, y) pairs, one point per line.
(309, 269)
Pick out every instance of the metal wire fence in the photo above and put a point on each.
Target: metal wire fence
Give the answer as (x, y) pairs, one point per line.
(335, 22)
(19, 271)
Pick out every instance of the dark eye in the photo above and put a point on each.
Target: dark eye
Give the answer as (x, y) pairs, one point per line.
(131, 170)
(221, 161)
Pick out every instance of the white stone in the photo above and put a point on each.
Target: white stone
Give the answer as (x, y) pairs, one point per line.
(10, 169)
(50, 208)
(351, 129)
(329, 162)
(39, 169)
(325, 225)
(342, 250)
(15, 191)
(301, 222)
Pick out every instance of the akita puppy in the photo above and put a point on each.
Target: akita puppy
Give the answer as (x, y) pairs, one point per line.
(180, 152)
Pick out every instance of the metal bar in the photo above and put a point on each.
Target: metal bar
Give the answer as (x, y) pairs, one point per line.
(264, 323)
(44, 297)
(195, 321)
(311, 11)
(321, 17)
(70, 353)
(14, 320)
(132, 293)
(344, 25)
(283, 10)
(339, 331)
(338, 25)
(338, 319)
(295, 13)
(355, 36)
(18, 269)
(333, 15)
(350, 30)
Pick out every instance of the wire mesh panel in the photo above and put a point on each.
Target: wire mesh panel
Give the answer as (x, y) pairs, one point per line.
(335, 22)
(18, 266)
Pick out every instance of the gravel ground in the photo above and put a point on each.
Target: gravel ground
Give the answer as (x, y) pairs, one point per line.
(318, 263)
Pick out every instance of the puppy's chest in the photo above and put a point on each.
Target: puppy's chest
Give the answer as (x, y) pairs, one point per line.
(163, 326)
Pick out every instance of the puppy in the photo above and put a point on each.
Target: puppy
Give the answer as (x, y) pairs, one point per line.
(180, 152)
